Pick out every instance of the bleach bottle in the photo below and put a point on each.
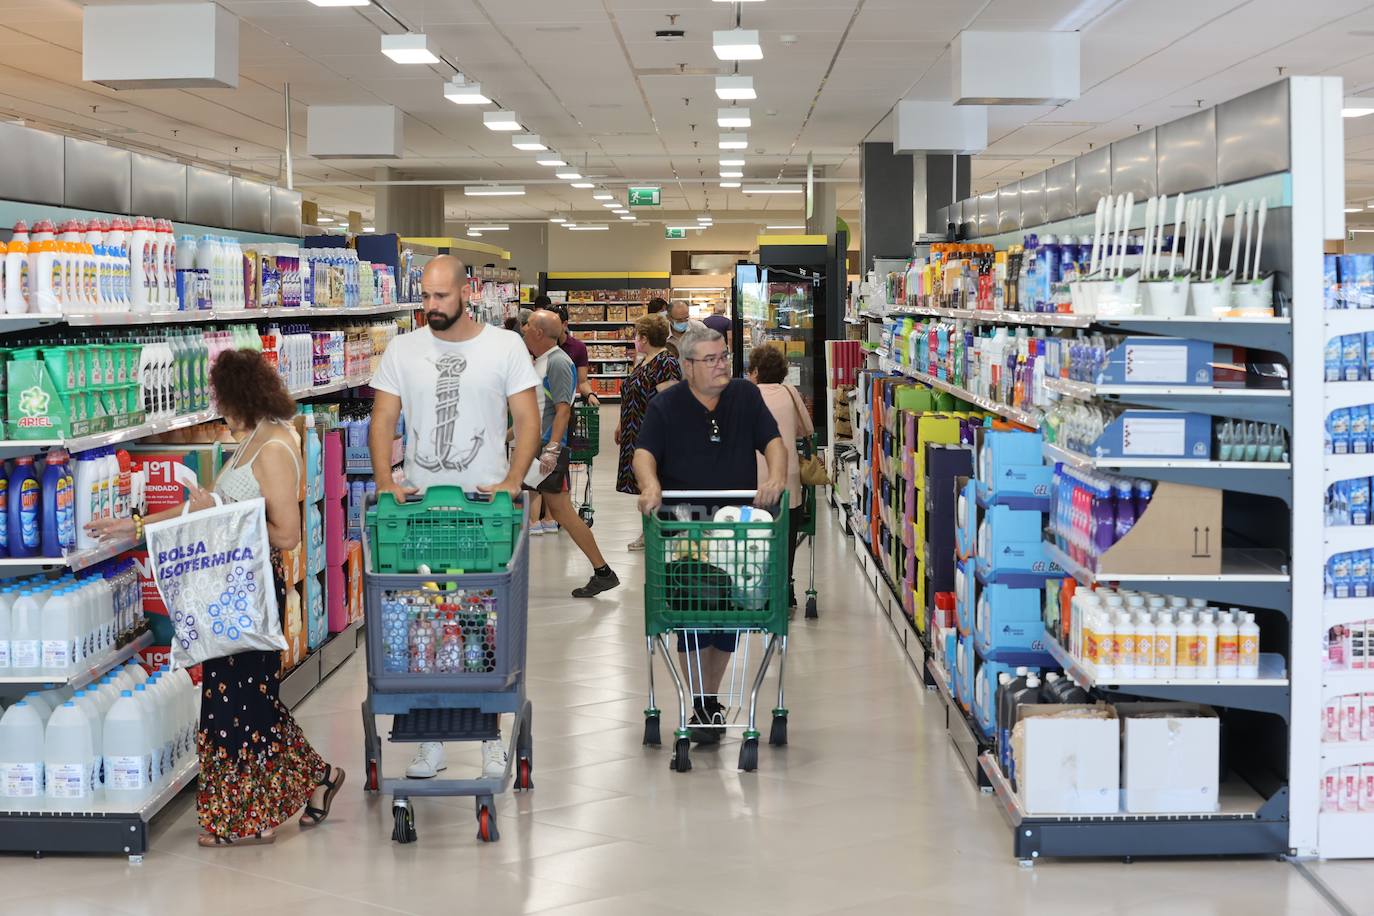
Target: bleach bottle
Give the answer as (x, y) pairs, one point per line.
(67, 752)
(25, 538)
(21, 751)
(127, 743)
(58, 505)
(26, 635)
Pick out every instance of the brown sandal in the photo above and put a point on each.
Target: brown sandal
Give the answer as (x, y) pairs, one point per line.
(210, 840)
(313, 816)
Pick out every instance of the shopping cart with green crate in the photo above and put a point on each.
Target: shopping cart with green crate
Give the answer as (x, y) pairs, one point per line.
(446, 585)
(584, 442)
(704, 578)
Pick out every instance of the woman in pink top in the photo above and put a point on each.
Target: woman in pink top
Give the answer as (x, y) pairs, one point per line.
(768, 370)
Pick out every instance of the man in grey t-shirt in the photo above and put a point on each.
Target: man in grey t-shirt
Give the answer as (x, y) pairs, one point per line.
(558, 387)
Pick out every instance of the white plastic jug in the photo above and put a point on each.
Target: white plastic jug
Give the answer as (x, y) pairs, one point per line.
(87, 703)
(59, 632)
(26, 636)
(21, 751)
(7, 598)
(67, 752)
(128, 750)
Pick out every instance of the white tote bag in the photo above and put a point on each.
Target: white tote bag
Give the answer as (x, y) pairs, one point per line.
(213, 569)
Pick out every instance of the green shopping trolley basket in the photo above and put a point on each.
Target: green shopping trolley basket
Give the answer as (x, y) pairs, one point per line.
(705, 580)
(584, 439)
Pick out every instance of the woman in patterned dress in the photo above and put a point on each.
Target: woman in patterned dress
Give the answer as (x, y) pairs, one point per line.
(256, 767)
(657, 370)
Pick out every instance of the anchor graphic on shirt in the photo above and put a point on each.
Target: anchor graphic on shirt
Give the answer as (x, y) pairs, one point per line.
(451, 368)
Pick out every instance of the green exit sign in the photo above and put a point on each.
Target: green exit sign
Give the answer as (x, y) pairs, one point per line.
(678, 233)
(645, 197)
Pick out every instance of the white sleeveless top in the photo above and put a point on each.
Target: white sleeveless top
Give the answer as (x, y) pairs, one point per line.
(236, 482)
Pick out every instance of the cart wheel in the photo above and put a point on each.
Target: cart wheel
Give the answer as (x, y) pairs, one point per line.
(778, 735)
(586, 513)
(651, 733)
(523, 766)
(403, 828)
(373, 784)
(749, 755)
(486, 824)
(811, 607)
(682, 761)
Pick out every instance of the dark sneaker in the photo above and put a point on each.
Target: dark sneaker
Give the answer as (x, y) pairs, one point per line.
(701, 734)
(596, 585)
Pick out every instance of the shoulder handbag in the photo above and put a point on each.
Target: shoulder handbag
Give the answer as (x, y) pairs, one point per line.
(813, 473)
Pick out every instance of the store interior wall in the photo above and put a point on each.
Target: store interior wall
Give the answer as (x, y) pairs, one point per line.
(528, 244)
(1360, 243)
(642, 247)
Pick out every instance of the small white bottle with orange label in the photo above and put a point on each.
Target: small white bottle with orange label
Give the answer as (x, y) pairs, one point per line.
(1248, 665)
(1228, 646)
(1185, 663)
(1166, 645)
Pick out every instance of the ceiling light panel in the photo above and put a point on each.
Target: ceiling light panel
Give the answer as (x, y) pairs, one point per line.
(568, 176)
(343, 2)
(501, 120)
(504, 190)
(735, 88)
(731, 173)
(583, 185)
(603, 196)
(737, 44)
(589, 228)
(729, 184)
(733, 117)
(557, 219)
(1357, 107)
(551, 163)
(460, 92)
(527, 142)
(408, 48)
(734, 141)
(492, 228)
(773, 189)
(731, 163)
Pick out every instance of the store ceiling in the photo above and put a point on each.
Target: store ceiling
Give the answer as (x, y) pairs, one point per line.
(591, 79)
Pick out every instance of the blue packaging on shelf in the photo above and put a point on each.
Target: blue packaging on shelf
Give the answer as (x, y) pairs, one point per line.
(985, 693)
(1156, 434)
(965, 668)
(964, 591)
(1158, 361)
(1330, 283)
(966, 521)
(1338, 432)
(1331, 359)
(1010, 463)
(1011, 541)
(951, 638)
(999, 605)
(1352, 358)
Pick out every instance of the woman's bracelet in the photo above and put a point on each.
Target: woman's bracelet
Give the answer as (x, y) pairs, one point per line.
(138, 528)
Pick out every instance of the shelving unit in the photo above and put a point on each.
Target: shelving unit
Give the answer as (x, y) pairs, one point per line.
(588, 290)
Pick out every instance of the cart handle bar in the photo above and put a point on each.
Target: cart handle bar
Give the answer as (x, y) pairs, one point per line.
(727, 494)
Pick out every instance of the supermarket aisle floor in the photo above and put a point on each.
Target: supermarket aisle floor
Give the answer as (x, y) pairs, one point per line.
(866, 811)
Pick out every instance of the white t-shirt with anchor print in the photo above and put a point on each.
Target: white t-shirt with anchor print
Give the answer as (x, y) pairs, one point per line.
(453, 397)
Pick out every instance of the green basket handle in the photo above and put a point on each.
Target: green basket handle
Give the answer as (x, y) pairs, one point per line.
(448, 495)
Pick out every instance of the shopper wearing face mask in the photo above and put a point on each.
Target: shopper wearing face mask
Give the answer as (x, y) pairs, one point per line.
(679, 320)
(657, 371)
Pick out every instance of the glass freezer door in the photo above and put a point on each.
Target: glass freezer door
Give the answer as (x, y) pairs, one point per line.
(780, 311)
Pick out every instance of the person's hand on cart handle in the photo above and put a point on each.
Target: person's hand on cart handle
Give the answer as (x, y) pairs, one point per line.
(769, 493)
(650, 498)
(399, 491)
(509, 486)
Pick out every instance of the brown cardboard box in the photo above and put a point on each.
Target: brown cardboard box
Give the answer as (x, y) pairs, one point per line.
(615, 313)
(1179, 532)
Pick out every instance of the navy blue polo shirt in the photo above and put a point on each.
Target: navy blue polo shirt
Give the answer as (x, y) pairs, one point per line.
(697, 449)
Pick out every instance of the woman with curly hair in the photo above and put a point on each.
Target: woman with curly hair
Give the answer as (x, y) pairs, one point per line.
(256, 767)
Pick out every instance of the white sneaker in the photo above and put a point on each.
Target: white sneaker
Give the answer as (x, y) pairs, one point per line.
(637, 543)
(536, 528)
(494, 760)
(428, 762)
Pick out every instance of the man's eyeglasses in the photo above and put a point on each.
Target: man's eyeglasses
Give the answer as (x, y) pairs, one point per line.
(720, 359)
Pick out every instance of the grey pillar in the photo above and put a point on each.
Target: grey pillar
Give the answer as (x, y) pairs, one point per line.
(408, 210)
(822, 219)
(947, 180)
(886, 186)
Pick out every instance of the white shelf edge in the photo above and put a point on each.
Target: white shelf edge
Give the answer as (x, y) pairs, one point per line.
(1087, 391)
(1014, 414)
(1085, 673)
(1345, 610)
(1087, 577)
(1080, 460)
(88, 674)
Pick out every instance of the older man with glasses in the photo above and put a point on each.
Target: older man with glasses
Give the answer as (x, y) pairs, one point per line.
(705, 435)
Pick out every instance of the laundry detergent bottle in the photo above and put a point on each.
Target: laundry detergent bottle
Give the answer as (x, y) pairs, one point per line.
(24, 508)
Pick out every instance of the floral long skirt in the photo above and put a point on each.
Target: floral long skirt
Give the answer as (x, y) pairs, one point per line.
(256, 768)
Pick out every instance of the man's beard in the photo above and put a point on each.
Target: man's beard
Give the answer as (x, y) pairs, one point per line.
(438, 321)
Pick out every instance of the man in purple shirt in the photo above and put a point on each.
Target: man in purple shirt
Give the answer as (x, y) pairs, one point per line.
(717, 322)
(575, 349)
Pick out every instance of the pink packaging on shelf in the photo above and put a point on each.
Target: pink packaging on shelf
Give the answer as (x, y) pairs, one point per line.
(1350, 788)
(1331, 720)
(1367, 719)
(1367, 787)
(1350, 717)
(1331, 790)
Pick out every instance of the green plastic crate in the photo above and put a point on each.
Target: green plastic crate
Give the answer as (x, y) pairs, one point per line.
(715, 575)
(584, 439)
(444, 531)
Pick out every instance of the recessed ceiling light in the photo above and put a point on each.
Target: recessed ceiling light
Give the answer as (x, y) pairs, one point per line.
(568, 176)
(321, 220)
(557, 219)
(603, 196)
(733, 117)
(460, 92)
(474, 234)
(501, 120)
(734, 141)
(1357, 107)
(627, 219)
(583, 185)
(731, 88)
(737, 44)
(773, 189)
(369, 229)
(784, 227)
(729, 184)
(1353, 210)
(685, 228)
(497, 227)
(731, 173)
(620, 211)
(530, 143)
(494, 190)
(408, 48)
(705, 218)
(611, 206)
(731, 163)
(589, 228)
(341, 2)
(552, 163)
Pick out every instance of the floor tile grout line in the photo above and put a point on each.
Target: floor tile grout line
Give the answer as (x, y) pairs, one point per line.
(1322, 888)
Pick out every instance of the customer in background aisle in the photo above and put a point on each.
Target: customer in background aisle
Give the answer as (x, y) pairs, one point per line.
(256, 766)
(577, 350)
(457, 380)
(703, 436)
(768, 370)
(550, 477)
(679, 321)
(658, 371)
(717, 322)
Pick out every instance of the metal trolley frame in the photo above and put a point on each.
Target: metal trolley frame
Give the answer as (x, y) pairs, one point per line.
(461, 705)
(710, 577)
(584, 443)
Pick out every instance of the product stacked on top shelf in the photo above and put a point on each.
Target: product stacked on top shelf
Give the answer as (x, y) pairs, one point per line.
(495, 294)
(602, 310)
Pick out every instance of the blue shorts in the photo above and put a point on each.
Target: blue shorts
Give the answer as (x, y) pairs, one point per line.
(696, 640)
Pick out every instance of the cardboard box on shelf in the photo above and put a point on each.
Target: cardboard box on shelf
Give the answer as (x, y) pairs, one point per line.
(1068, 759)
(1179, 532)
(1170, 754)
